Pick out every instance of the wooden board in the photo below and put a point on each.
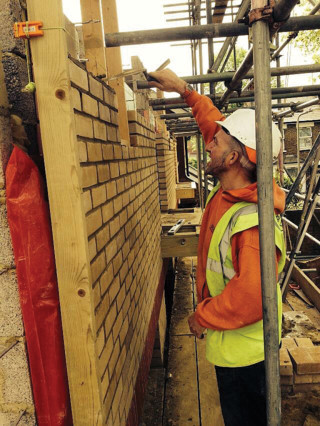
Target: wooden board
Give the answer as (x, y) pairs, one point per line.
(93, 37)
(114, 67)
(49, 54)
(192, 217)
(307, 285)
(186, 190)
(181, 400)
(208, 388)
(180, 245)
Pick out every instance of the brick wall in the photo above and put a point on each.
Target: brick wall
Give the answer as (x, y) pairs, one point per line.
(167, 168)
(290, 138)
(121, 202)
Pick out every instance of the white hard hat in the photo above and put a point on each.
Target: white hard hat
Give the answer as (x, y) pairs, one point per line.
(242, 125)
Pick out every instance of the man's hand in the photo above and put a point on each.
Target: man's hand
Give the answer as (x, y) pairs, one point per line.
(168, 81)
(195, 327)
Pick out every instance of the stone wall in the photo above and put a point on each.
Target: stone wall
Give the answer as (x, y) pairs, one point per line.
(15, 389)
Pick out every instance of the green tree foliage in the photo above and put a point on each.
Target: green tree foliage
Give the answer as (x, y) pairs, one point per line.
(308, 41)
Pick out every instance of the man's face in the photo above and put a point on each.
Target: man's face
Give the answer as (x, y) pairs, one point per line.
(218, 148)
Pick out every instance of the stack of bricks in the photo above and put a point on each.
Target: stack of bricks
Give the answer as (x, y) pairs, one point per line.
(299, 365)
(141, 131)
(167, 169)
(121, 203)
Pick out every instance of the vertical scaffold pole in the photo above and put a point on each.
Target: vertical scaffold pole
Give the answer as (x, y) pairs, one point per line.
(261, 56)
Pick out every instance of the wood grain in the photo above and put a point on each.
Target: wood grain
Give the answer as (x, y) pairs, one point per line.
(58, 134)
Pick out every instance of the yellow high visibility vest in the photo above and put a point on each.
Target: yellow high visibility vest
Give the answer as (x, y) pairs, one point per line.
(243, 346)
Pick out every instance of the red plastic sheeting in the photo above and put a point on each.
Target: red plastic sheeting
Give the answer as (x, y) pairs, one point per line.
(30, 228)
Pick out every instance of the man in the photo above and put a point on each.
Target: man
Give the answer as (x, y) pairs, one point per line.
(228, 271)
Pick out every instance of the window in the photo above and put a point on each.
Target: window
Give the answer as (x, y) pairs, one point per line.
(305, 137)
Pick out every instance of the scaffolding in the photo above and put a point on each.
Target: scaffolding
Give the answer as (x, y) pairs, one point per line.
(263, 22)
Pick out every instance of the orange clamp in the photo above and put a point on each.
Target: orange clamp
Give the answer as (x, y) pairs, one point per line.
(28, 29)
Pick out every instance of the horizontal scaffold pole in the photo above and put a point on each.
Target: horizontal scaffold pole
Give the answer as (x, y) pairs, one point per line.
(202, 31)
(249, 93)
(241, 99)
(229, 110)
(226, 76)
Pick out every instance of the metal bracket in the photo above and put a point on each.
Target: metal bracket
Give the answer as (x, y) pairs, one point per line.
(262, 14)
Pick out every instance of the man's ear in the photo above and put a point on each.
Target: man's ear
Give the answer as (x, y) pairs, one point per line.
(233, 157)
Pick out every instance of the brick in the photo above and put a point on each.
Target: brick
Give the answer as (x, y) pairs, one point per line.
(89, 105)
(106, 279)
(75, 99)
(100, 341)
(98, 266)
(78, 76)
(303, 342)
(86, 201)
(94, 151)
(114, 226)
(100, 130)
(111, 250)
(122, 167)
(83, 155)
(103, 237)
(104, 112)
(107, 211)
(99, 195)
(111, 189)
(117, 152)
(117, 261)
(117, 204)
(114, 170)
(103, 172)
(88, 176)
(101, 312)
(112, 133)
(120, 185)
(114, 357)
(114, 289)
(94, 221)
(110, 318)
(92, 246)
(306, 360)
(286, 368)
(96, 295)
(107, 152)
(105, 356)
(95, 87)
(84, 126)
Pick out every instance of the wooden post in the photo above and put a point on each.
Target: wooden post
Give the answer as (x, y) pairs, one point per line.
(93, 37)
(114, 66)
(67, 215)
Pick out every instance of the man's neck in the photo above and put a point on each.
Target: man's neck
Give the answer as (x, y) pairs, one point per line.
(230, 181)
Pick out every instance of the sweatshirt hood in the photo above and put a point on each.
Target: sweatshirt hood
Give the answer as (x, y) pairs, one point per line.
(250, 194)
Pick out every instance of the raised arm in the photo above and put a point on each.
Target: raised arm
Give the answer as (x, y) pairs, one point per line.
(203, 109)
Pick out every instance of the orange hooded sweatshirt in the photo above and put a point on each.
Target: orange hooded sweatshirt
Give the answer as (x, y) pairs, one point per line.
(240, 303)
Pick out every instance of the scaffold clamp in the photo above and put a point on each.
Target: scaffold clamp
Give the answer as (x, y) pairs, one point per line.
(262, 14)
(28, 29)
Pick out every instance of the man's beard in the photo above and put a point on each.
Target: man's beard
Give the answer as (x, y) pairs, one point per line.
(216, 167)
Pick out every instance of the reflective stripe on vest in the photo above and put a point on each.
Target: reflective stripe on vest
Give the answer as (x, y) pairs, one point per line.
(244, 346)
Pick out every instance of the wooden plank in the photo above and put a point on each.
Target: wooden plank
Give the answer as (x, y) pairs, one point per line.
(180, 245)
(58, 134)
(114, 66)
(182, 306)
(208, 389)
(93, 37)
(192, 218)
(181, 400)
(308, 287)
